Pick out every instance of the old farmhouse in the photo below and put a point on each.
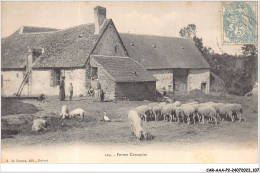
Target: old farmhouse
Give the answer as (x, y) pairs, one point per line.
(127, 65)
(176, 62)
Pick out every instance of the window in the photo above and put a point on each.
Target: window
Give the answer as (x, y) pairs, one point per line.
(176, 87)
(203, 87)
(116, 49)
(55, 77)
(94, 72)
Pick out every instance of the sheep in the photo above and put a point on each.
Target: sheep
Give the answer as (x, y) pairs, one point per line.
(238, 110)
(39, 124)
(196, 107)
(161, 105)
(168, 111)
(226, 110)
(157, 112)
(76, 112)
(152, 105)
(64, 112)
(136, 125)
(186, 111)
(209, 112)
(144, 112)
(177, 104)
(193, 102)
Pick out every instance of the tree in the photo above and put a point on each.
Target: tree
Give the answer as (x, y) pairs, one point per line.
(189, 31)
(249, 49)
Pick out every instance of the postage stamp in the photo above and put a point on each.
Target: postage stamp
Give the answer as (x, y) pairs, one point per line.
(239, 22)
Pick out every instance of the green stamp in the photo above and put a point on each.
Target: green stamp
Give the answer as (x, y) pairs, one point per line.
(239, 22)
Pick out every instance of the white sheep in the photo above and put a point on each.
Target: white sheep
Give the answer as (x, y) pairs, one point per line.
(136, 125)
(39, 124)
(168, 111)
(239, 111)
(176, 104)
(64, 111)
(208, 112)
(144, 112)
(77, 112)
(151, 105)
(196, 108)
(157, 112)
(226, 110)
(186, 111)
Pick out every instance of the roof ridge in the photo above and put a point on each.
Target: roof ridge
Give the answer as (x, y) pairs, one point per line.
(139, 34)
(110, 56)
(58, 30)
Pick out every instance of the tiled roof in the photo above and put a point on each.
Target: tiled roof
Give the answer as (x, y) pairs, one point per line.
(157, 52)
(123, 69)
(33, 29)
(63, 48)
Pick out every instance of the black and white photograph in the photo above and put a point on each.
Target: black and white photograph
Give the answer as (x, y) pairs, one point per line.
(129, 82)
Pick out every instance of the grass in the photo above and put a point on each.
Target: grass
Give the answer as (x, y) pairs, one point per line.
(16, 126)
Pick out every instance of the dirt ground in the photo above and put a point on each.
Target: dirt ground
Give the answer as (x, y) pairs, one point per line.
(16, 122)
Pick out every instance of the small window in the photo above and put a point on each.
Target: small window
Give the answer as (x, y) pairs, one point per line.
(203, 87)
(55, 77)
(176, 87)
(116, 49)
(94, 72)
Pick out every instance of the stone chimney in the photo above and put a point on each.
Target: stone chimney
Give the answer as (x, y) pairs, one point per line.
(99, 18)
(29, 59)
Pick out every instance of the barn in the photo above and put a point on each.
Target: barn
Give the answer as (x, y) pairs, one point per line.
(34, 59)
(176, 62)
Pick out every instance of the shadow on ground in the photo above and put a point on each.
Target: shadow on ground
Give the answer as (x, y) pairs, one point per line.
(12, 106)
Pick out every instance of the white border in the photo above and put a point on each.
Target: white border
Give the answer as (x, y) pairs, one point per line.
(126, 167)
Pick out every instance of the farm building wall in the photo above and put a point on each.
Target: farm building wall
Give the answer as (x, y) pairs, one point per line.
(136, 90)
(11, 81)
(41, 82)
(180, 82)
(110, 43)
(197, 77)
(106, 81)
(165, 79)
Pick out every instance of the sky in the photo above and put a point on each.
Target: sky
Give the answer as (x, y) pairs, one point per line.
(152, 18)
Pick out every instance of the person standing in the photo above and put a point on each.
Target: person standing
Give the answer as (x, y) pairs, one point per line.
(62, 89)
(71, 91)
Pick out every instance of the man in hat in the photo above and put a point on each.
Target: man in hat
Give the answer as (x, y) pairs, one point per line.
(62, 89)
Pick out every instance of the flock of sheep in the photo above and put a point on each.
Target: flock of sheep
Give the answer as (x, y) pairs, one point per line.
(189, 113)
(182, 113)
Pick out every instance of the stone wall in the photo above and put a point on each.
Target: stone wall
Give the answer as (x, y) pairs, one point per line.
(106, 81)
(11, 81)
(41, 80)
(41, 83)
(180, 77)
(197, 77)
(136, 90)
(165, 79)
(110, 43)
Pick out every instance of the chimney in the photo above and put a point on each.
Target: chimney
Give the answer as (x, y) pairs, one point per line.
(99, 18)
(29, 59)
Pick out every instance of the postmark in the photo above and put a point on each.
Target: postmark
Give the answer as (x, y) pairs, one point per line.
(239, 22)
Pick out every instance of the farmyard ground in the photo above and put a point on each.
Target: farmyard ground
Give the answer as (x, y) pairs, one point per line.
(16, 124)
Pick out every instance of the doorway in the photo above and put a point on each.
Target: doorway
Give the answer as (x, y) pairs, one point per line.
(203, 87)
